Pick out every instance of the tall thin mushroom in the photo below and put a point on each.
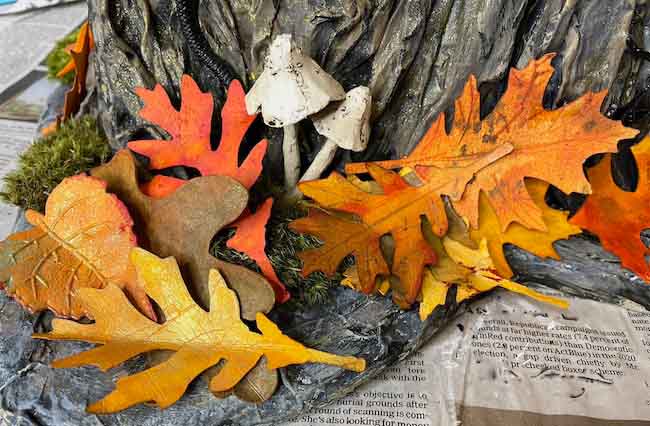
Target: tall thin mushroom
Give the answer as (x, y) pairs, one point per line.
(291, 88)
(345, 124)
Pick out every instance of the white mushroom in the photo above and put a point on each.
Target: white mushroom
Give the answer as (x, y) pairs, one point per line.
(291, 88)
(345, 124)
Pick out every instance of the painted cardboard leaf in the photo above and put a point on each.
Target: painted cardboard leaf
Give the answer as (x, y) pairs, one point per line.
(189, 129)
(183, 224)
(77, 46)
(616, 216)
(537, 242)
(79, 53)
(548, 145)
(396, 211)
(83, 240)
(472, 272)
(199, 339)
(250, 238)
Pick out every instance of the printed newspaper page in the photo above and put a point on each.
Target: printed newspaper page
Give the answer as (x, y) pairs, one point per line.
(513, 361)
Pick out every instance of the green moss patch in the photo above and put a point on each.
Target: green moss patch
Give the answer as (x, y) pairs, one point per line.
(58, 58)
(76, 147)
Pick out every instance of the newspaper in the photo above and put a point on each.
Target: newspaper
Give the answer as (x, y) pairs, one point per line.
(26, 39)
(511, 361)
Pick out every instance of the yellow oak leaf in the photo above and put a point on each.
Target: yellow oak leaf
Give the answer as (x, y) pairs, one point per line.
(539, 243)
(198, 339)
(472, 272)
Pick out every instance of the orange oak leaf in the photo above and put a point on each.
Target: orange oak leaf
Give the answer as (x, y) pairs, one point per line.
(250, 238)
(189, 129)
(77, 46)
(548, 145)
(616, 216)
(198, 339)
(396, 211)
(83, 240)
(79, 53)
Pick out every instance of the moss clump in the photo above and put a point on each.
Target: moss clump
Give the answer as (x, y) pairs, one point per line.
(58, 58)
(282, 247)
(76, 147)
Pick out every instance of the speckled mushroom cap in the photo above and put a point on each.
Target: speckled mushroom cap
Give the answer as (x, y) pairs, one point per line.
(347, 123)
(291, 87)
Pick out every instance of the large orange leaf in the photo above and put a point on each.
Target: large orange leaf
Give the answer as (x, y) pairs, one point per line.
(199, 339)
(616, 216)
(536, 242)
(548, 145)
(250, 238)
(78, 46)
(80, 54)
(396, 211)
(83, 240)
(189, 129)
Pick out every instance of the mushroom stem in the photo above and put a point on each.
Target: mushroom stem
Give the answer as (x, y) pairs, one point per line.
(291, 154)
(321, 161)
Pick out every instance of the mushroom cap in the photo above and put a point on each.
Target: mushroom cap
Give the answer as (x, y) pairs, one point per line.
(291, 87)
(347, 123)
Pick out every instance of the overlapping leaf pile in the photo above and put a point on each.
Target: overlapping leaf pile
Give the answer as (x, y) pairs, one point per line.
(440, 223)
(190, 146)
(198, 339)
(495, 172)
(87, 240)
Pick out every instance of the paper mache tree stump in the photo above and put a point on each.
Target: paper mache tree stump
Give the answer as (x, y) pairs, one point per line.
(401, 157)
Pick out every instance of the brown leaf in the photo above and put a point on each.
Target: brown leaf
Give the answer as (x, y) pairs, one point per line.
(79, 53)
(183, 224)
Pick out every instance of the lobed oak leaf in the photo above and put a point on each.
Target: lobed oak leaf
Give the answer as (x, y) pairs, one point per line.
(83, 240)
(537, 242)
(471, 271)
(189, 129)
(77, 46)
(183, 224)
(199, 339)
(616, 216)
(396, 211)
(79, 53)
(548, 145)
